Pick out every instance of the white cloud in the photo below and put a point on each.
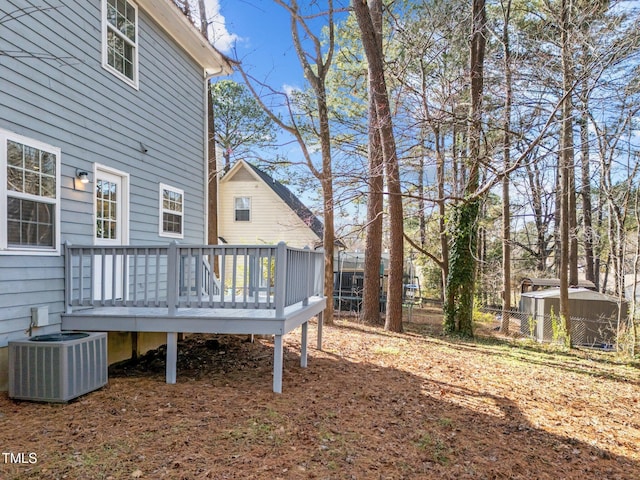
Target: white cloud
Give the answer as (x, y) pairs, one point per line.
(290, 90)
(223, 40)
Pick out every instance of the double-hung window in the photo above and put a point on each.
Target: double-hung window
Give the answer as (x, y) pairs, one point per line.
(171, 212)
(29, 196)
(120, 39)
(242, 209)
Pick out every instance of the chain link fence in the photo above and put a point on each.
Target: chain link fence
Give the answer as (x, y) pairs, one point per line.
(591, 332)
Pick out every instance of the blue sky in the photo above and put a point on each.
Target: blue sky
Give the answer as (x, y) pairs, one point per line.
(257, 32)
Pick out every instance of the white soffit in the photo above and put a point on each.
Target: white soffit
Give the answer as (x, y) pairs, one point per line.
(176, 24)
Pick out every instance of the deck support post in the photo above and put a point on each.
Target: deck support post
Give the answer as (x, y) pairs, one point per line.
(277, 363)
(319, 346)
(303, 343)
(172, 356)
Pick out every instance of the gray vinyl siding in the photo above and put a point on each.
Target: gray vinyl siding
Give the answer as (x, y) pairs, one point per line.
(57, 92)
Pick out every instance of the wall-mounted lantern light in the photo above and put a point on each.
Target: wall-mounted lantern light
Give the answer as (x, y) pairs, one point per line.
(83, 176)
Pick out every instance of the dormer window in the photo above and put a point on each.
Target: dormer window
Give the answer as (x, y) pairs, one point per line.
(120, 39)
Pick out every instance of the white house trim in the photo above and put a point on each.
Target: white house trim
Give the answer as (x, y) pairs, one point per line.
(126, 201)
(134, 82)
(162, 210)
(5, 249)
(174, 22)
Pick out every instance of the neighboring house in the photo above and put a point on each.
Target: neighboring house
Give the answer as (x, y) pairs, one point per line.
(253, 208)
(102, 142)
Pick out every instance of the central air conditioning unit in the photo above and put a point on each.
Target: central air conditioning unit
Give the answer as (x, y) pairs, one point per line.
(57, 367)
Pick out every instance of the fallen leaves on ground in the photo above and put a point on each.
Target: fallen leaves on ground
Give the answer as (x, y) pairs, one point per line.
(371, 404)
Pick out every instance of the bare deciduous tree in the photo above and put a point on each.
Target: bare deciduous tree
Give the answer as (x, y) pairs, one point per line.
(315, 63)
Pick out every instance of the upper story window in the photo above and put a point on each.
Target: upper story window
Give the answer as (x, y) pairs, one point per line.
(242, 209)
(171, 212)
(29, 195)
(120, 39)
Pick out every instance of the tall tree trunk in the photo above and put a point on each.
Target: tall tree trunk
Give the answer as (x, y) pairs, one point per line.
(422, 222)
(566, 162)
(442, 210)
(506, 144)
(455, 155)
(599, 227)
(373, 245)
(226, 154)
(557, 232)
(461, 281)
(587, 223)
(327, 196)
(533, 174)
(634, 291)
(481, 255)
(573, 216)
(380, 98)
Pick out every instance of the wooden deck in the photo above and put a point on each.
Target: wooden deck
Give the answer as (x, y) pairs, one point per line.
(259, 290)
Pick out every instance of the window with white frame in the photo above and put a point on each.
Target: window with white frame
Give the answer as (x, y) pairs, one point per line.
(29, 195)
(242, 209)
(120, 39)
(171, 211)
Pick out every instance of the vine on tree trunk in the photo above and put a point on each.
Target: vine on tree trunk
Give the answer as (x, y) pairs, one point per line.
(458, 312)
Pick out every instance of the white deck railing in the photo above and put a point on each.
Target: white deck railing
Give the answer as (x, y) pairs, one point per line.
(194, 276)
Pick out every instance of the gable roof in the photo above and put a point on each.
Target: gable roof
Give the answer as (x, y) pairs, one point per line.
(176, 24)
(285, 195)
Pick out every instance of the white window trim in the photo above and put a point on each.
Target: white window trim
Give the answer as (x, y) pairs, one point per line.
(235, 209)
(5, 249)
(125, 196)
(105, 51)
(162, 210)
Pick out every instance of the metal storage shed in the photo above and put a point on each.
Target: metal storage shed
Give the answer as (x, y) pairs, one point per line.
(594, 315)
(531, 284)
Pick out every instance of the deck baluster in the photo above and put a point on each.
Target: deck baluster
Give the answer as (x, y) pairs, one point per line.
(223, 277)
(80, 278)
(68, 277)
(92, 276)
(114, 276)
(245, 277)
(234, 276)
(308, 276)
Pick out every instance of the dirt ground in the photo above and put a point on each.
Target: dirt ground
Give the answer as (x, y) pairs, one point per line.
(370, 405)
